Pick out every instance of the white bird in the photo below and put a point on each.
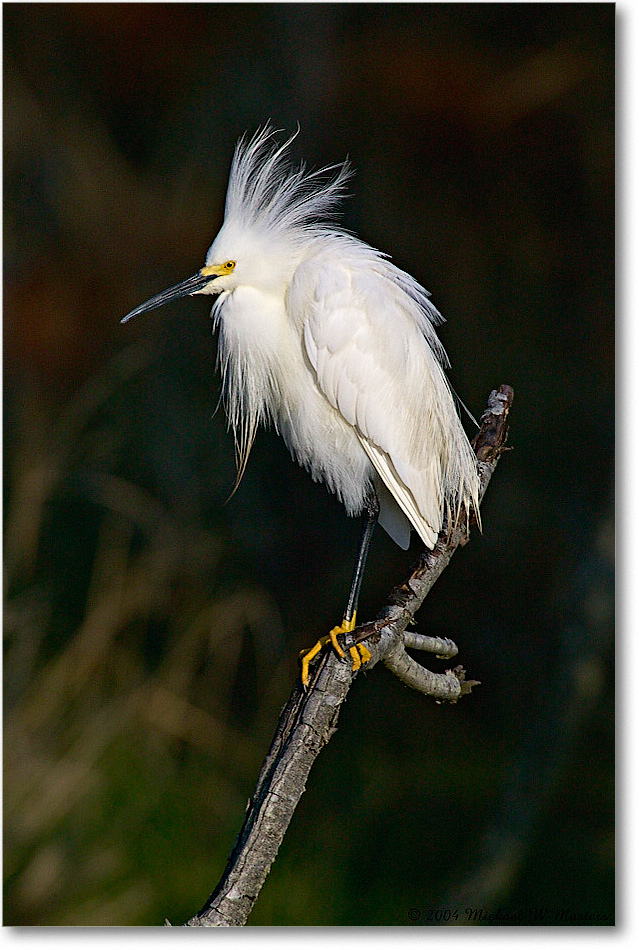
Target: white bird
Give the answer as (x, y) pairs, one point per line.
(323, 337)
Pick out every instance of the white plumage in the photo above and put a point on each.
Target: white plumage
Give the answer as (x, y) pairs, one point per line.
(322, 336)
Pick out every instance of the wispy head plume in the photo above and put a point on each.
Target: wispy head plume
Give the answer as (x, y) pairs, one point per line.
(266, 192)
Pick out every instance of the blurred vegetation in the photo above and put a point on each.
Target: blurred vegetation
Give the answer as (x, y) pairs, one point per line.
(152, 627)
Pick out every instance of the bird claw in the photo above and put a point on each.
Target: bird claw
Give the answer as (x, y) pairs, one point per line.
(359, 653)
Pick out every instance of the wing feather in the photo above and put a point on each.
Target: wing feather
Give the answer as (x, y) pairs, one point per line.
(377, 364)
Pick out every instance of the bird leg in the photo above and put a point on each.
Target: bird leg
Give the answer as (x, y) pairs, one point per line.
(359, 653)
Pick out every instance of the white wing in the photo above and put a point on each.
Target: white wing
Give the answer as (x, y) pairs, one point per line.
(366, 338)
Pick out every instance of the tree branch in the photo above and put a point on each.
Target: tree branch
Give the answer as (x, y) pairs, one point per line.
(309, 718)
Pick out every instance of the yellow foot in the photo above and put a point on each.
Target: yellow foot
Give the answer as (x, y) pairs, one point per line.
(359, 653)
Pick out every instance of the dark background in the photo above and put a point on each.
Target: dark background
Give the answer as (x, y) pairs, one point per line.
(152, 626)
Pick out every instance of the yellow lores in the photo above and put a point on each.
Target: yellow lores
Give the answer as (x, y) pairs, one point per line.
(218, 270)
(323, 337)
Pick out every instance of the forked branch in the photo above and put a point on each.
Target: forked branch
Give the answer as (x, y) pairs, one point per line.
(309, 718)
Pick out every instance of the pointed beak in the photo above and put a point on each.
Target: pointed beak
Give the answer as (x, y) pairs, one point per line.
(192, 285)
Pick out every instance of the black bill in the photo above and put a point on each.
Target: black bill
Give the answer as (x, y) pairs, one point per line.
(192, 285)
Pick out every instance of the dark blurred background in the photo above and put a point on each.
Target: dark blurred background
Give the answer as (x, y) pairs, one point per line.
(151, 625)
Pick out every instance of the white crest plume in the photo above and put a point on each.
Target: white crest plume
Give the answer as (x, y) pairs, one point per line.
(265, 192)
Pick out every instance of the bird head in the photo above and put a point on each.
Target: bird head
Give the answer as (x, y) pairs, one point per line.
(257, 262)
(272, 215)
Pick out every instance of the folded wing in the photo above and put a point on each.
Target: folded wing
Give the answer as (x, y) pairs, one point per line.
(377, 360)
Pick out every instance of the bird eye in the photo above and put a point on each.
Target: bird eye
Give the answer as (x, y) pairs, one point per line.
(229, 265)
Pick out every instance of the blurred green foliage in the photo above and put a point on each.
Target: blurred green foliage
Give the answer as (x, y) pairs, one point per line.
(151, 627)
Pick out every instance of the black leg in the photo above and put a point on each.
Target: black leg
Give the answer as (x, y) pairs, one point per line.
(371, 514)
(359, 654)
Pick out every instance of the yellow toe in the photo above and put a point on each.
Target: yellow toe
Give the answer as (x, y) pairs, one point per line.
(333, 638)
(306, 657)
(359, 654)
(355, 657)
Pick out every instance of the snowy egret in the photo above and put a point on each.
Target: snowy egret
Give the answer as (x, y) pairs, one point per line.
(323, 337)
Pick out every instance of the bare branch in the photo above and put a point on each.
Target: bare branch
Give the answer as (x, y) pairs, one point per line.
(443, 648)
(310, 716)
